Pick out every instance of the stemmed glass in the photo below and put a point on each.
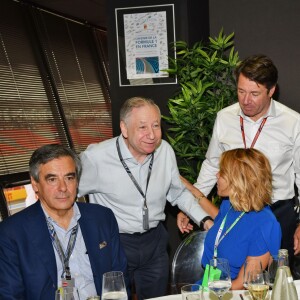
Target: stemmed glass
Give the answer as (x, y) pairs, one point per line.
(113, 286)
(67, 293)
(251, 264)
(257, 285)
(219, 279)
(272, 269)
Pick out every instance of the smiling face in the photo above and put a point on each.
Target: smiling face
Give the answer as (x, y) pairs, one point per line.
(141, 131)
(254, 98)
(57, 185)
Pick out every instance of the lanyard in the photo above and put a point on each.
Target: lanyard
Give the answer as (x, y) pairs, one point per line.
(257, 133)
(64, 257)
(219, 238)
(131, 176)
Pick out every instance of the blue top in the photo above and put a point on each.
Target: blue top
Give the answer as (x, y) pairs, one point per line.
(255, 234)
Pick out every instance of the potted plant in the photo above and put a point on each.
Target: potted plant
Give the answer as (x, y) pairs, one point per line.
(206, 77)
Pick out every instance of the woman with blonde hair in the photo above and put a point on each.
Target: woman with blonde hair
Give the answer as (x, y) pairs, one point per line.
(245, 226)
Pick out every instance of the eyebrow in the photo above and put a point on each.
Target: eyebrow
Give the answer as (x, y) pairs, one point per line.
(54, 175)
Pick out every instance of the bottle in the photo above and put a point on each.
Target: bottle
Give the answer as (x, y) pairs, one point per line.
(284, 286)
(283, 257)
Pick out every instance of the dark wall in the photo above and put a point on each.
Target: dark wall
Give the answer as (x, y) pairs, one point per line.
(271, 27)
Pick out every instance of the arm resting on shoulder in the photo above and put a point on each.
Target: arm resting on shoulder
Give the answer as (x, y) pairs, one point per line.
(206, 204)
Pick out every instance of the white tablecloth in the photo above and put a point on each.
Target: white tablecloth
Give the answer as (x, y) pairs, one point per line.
(232, 295)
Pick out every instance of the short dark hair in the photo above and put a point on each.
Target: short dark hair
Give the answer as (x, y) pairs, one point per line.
(46, 153)
(258, 68)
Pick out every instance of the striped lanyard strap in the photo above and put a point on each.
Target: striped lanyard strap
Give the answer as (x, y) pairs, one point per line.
(257, 133)
(219, 238)
(64, 256)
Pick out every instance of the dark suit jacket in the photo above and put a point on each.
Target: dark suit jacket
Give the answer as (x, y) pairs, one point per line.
(27, 259)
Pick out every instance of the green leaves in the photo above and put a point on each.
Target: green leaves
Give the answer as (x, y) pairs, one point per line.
(206, 76)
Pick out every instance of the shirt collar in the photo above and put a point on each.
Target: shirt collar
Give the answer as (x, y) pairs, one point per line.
(126, 154)
(270, 113)
(74, 220)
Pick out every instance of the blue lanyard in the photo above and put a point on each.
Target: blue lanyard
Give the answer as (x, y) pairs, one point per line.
(219, 238)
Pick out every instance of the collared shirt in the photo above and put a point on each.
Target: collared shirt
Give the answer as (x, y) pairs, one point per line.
(279, 140)
(107, 182)
(79, 262)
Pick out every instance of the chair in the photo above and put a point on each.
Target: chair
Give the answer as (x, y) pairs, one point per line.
(186, 265)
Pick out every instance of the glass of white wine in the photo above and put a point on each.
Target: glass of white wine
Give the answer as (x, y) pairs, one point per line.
(113, 286)
(257, 285)
(219, 279)
(251, 264)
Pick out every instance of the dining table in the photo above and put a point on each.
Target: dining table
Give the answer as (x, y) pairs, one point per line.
(231, 295)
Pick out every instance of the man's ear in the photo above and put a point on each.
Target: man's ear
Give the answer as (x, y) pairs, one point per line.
(123, 127)
(272, 91)
(34, 184)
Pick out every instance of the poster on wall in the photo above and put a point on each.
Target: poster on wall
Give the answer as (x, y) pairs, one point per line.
(145, 38)
(146, 45)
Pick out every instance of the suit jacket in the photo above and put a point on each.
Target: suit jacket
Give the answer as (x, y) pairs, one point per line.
(27, 259)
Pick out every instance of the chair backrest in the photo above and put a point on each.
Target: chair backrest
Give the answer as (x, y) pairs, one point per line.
(186, 265)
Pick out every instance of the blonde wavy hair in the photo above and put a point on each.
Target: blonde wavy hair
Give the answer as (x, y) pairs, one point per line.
(249, 178)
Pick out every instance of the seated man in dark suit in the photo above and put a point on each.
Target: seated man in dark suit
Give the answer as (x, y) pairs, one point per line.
(57, 241)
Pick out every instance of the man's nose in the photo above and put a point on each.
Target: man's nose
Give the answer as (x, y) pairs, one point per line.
(62, 185)
(246, 99)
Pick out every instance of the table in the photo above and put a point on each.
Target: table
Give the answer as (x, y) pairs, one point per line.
(232, 295)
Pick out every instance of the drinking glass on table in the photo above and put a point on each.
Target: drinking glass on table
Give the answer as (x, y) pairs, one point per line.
(191, 292)
(219, 279)
(67, 293)
(113, 286)
(272, 269)
(251, 264)
(257, 285)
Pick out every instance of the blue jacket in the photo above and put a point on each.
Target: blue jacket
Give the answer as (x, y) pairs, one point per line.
(27, 259)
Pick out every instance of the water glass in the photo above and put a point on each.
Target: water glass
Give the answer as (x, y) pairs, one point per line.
(272, 269)
(219, 279)
(113, 286)
(67, 293)
(191, 292)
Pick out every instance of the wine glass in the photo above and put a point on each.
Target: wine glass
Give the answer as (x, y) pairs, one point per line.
(67, 293)
(113, 286)
(257, 285)
(251, 264)
(219, 279)
(272, 269)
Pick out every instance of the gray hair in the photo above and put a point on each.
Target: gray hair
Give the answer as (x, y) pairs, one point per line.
(49, 152)
(135, 102)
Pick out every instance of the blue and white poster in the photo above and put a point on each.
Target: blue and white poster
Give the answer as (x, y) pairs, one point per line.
(146, 45)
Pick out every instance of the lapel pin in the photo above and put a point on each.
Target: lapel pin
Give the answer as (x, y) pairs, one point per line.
(102, 245)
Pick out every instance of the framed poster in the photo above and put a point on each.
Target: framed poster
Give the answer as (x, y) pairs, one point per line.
(145, 37)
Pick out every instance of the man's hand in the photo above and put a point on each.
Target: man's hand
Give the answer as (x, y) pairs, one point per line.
(183, 223)
(297, 240)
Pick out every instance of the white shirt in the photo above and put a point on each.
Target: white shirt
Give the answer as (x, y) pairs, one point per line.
(279, 140)
(106, 181)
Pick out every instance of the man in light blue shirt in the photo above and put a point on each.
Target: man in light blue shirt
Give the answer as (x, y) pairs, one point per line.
(134, 174)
